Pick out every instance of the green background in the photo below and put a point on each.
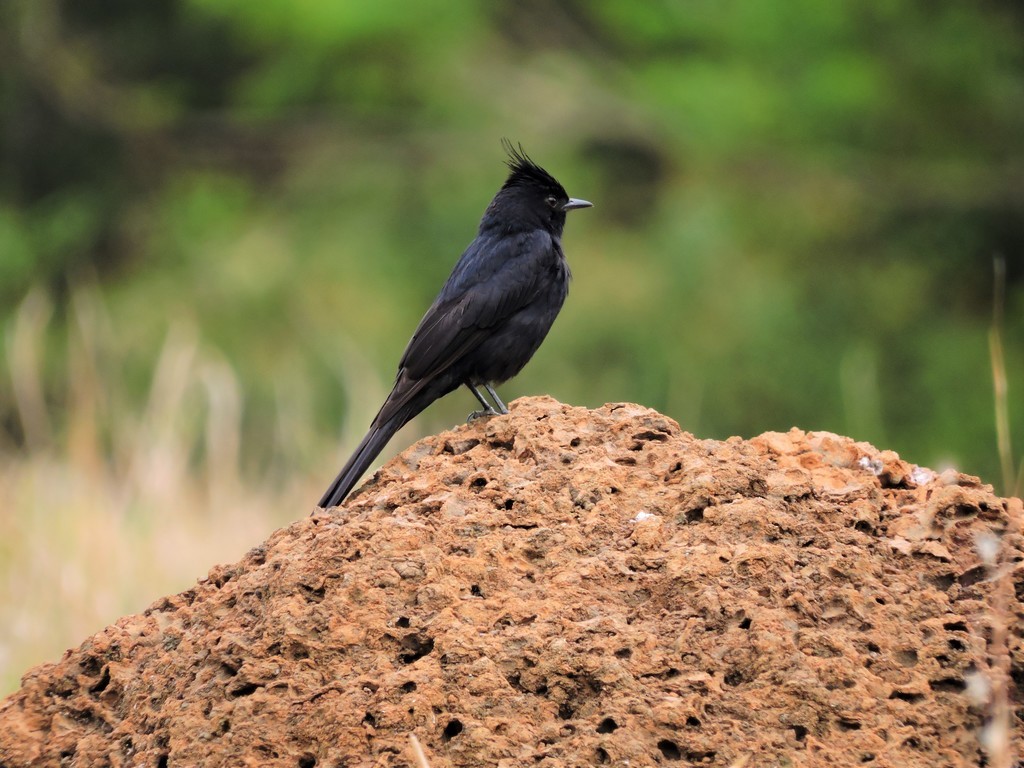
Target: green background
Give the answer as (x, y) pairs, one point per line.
(796, 211)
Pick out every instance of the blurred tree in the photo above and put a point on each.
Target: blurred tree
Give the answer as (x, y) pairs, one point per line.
(797, 205)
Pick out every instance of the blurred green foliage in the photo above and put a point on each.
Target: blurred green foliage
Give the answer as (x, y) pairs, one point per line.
(796, 204)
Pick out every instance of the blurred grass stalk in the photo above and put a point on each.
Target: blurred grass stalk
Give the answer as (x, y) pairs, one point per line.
(995, 735)
(1012, 480)
(107, 509)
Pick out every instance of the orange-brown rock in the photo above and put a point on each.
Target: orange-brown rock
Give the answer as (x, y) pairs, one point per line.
(564, 587)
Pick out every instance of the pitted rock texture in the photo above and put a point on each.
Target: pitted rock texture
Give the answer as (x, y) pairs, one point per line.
(564, 587)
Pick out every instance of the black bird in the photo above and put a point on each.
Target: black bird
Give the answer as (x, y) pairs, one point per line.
(491, 315)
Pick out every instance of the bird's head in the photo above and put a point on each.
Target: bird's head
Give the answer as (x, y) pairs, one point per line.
(531, 197)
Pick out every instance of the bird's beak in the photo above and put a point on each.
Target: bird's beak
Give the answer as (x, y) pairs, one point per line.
(574, 203)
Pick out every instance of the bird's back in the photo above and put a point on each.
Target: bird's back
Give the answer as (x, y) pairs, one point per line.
(495, 279)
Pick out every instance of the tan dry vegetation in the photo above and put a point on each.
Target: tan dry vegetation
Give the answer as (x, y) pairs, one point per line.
(107, 505)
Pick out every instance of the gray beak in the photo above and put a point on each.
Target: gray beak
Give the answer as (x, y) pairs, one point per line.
(574, 203)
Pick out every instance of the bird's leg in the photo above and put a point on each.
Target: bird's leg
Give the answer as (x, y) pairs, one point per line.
(483, 401)
(502, 408)
(488, 409)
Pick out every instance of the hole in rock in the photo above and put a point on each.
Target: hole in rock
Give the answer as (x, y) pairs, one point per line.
(907, 657)
(313, 594)
(670, 750)
(607, 725)
(948, 685)
(417, 647)
(650, 435)
(246, 689)
(942, 581)
(972, 576)
(103, 682)
(913, 698)
(453, 729)
(1017, 675)
(800, 732)
(90, 666)
(733, 678)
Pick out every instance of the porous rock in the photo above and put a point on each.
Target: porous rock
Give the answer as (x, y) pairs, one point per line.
(570, 587)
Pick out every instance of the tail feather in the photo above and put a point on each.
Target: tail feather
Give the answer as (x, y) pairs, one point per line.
(407, 399)
(361, 459)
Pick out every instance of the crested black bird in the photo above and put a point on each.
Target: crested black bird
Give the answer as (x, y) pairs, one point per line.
(491, 315)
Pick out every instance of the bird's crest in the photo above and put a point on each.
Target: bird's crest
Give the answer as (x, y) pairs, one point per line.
(524, 171)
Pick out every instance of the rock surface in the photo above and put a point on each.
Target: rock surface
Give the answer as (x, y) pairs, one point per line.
(569, 587)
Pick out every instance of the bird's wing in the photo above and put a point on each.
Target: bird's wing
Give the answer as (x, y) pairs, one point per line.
(489, 285)
(477, 297)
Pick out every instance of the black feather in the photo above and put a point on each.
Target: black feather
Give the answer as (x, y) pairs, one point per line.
(491, 315)
(524, 171)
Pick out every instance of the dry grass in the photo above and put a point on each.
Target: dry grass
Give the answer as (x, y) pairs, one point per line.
(418, 753)
(990, 688)
(106, 510)
(1013, 480)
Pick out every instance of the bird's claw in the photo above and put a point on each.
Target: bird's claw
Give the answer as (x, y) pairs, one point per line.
(482, 414)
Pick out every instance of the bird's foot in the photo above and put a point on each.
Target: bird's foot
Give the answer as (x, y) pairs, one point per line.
(482, 414)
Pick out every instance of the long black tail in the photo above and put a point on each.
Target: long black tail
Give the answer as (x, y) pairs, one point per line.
(360, 460)
(407, 400)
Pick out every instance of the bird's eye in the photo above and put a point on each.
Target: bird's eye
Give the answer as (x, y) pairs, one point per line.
(551, 200)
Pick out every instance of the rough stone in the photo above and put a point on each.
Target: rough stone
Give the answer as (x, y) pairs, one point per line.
(566, 587)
